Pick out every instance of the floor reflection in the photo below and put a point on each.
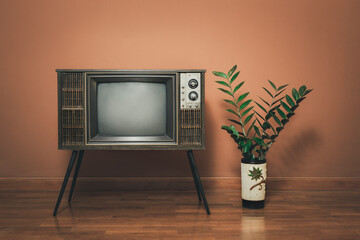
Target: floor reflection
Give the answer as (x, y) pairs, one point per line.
(252, 227)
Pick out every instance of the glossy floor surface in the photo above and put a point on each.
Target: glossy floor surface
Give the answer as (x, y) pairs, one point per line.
(26, 213)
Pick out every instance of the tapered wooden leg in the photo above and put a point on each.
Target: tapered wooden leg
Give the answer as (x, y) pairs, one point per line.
(66, 178)
(78, 164)
(197, 179)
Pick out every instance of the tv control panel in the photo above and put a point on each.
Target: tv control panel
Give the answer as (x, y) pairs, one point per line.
(190, 93)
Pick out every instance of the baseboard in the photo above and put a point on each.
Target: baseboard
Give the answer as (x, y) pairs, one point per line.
(178, 184)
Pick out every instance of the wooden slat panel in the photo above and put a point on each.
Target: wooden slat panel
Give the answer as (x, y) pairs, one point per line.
(190, 127)
(72, 109)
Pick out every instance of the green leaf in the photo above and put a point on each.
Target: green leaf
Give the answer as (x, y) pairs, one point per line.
(259, 141)
(294, 107)
(272, 128)
(239, 139)
(265, 136)
(300, 99)
(262, 108)
(219, 74)
(245, 104)
(234, 121)
(290, 101)
(278, 101)
(265, 101)
(225, 91)
(229, 101)
(268, 92)
(241, 97)
(281, 113)
(247, 146)
(285, 106)
(238, 86)
(273, 136)
(225, 127)
(248, 118)
(272, 84)
(279, 129)
(283, 86)
(268, 116)
(246, 111)
(289, 115)
(232, 111)
(308, 91)
(258, 121)
(276, 118)
(257, 131)
(259, 115)
(284, 121)
(302, 90)
(252, 125)
(235, 132)
(234, 77)
(223, 83)
(295, 94)
(231, 71)
(266, 125)
(279, 93)
(241, 145)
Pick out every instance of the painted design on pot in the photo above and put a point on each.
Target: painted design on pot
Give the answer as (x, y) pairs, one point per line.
(256, 174)
(253, 181)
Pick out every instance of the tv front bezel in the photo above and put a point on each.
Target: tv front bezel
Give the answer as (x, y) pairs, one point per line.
(94, 138)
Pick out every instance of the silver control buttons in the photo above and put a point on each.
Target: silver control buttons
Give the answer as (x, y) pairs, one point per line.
(193, 83)
(193, 95)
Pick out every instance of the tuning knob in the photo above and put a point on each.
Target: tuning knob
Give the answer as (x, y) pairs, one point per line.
(193, 83)
(193, 96)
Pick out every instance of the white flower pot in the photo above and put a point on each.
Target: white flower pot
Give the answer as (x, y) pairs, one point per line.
(253, 184)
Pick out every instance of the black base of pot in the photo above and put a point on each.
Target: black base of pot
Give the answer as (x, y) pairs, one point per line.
(253, 204)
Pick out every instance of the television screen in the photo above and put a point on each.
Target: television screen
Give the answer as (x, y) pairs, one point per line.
(131, 108)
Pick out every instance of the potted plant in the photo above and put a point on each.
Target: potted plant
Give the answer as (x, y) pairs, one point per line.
(256, 129)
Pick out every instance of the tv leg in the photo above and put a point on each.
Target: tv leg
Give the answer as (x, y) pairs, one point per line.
(194, 177)
(66, 178)
(197, 180)
(78, 164)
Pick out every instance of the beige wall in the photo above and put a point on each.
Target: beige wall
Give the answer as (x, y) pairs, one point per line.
(316, 43)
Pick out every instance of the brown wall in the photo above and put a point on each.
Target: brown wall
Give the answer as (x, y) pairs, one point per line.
(316, 43)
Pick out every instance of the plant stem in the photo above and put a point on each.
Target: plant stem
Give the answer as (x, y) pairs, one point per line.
(272, 101)
(263, 155)
(237, 108)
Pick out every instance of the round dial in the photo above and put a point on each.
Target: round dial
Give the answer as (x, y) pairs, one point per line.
(193, 83)
(193, 96)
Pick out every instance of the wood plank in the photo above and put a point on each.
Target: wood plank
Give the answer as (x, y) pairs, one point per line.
(176, 183)
(317, 213)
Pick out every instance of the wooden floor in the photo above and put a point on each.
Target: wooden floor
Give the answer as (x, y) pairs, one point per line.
(318, 212)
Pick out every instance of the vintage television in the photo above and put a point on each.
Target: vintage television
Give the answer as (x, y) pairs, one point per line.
(131, 109)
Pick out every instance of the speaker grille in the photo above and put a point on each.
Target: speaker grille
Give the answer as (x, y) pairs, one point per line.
(190, 127)
(72, 109)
